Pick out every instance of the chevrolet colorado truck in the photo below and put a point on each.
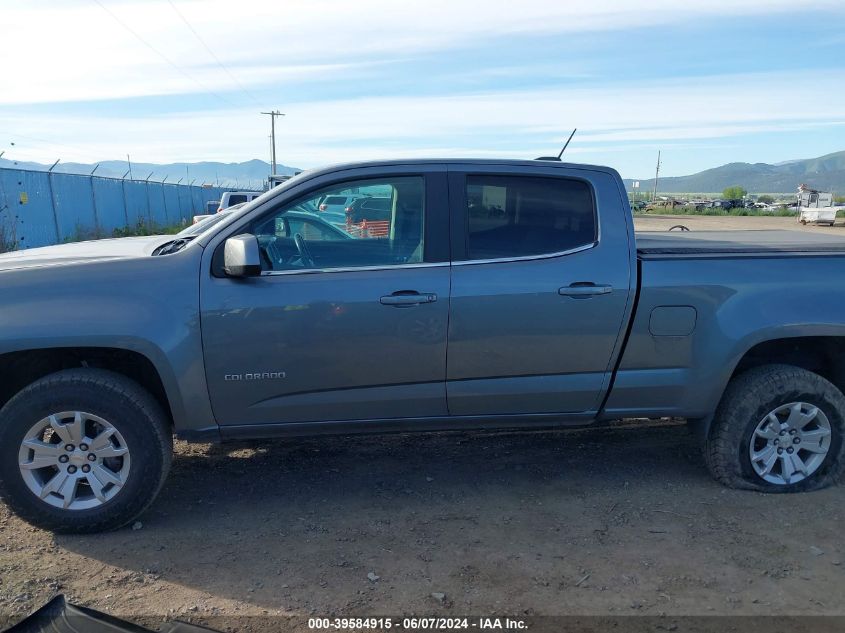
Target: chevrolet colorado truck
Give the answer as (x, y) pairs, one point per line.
(502, 294)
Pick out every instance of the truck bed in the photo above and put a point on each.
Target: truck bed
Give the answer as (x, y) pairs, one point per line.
(736, 243)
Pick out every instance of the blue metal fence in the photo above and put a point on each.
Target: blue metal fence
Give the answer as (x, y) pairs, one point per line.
(39, 208)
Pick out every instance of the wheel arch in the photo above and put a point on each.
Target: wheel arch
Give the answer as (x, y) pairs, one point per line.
(822, 355)
(20, 368)
(820, 351)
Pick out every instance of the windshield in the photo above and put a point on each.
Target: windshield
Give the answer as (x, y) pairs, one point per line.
(203, 225)
(215, 219)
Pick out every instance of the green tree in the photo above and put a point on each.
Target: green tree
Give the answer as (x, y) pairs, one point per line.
(766, 199)
(734, 193)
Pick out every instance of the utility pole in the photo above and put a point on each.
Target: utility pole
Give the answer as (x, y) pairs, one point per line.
(273, 114)
(656, 174)
(129, 162)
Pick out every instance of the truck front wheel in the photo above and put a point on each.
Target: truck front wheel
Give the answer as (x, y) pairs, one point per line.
(778, 428)
(82, 450)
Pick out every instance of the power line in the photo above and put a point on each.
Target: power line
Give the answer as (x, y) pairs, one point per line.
(211, 52)
(134, 33)
(41, 141)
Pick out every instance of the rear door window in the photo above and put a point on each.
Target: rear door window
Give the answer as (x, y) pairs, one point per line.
(519, 216)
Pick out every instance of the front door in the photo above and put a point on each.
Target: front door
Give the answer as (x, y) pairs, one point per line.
(539, 293)
(348, 319)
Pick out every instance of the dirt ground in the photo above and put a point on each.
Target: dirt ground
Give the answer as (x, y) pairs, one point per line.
(607, 521)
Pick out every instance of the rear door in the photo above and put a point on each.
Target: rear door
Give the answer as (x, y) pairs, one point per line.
(541, 284)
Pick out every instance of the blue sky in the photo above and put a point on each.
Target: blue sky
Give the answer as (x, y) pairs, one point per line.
(705, 81)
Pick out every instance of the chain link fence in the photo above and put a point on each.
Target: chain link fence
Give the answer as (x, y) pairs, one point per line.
(39, 208)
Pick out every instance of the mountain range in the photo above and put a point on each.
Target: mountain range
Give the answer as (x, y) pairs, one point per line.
(825, 173)
(251, 174)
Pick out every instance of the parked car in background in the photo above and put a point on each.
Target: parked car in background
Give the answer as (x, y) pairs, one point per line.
(369, 209)
(720, 204)
(231, 198)
(336, 205)
(308, 226)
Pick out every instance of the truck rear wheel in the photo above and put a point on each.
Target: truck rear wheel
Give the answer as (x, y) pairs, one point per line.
(778, 428)
(82, 450)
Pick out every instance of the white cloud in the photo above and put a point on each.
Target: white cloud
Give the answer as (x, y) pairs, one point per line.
(520, 123)
(58, 51)
(77, 51)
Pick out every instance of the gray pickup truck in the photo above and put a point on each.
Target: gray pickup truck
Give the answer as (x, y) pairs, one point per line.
(497, 294)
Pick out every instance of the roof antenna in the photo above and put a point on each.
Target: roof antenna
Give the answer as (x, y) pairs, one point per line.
(557, 158)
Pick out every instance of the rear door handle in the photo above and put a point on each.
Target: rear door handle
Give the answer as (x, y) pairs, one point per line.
(584, 290)
(405, 298)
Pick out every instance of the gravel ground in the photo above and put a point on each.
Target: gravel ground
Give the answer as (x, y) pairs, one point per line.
(607, 521)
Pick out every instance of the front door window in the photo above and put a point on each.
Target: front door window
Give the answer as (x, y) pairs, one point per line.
(354, 224)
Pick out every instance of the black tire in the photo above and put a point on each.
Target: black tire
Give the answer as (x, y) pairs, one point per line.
(747, 400)
(123, 403)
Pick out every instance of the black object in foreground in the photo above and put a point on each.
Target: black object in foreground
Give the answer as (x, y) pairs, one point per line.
(59, 616)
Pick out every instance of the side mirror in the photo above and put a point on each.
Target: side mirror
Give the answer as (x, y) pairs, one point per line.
(241, 257)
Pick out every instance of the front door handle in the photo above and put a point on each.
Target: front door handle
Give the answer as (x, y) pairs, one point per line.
(584, 290)
(405, 298)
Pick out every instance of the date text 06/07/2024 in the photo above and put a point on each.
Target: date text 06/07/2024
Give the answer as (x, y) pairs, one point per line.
(417, 624)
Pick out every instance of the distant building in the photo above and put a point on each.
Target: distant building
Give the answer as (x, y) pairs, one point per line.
(815, 207)
(812, 198)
